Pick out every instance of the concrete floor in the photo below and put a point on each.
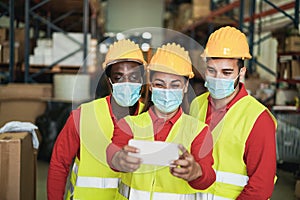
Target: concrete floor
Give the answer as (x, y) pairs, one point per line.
(284, 188)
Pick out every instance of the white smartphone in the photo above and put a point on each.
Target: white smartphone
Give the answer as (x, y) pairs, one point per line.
(155, 152)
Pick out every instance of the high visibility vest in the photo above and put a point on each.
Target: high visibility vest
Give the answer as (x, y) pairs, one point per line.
(91, 177)
(230, 136)
(156, 182)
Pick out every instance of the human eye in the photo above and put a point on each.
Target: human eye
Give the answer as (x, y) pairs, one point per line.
(117, 78)
(211, 70)
(133, 78)
(176, 86)
(158, 85)
(227, 73)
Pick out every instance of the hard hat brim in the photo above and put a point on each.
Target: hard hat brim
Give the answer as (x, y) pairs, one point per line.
(124, 60)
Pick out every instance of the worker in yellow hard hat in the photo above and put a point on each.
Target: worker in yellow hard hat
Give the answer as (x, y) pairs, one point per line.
(170, 70)
(243, 129)
(89, 129)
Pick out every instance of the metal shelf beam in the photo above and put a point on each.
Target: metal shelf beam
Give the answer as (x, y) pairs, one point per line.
(271, 11)
(11, 40)
(50, 25)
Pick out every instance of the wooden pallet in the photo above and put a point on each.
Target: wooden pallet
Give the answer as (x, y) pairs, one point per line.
(54, 69)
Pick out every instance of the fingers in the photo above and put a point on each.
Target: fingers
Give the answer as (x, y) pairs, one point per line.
(124, 162)
(130, 149)
(185, 167)
(182, 149)
(129, 163)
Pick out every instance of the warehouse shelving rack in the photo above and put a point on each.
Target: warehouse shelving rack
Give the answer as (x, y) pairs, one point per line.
(30, 11)
(39, 12)
(242, 21)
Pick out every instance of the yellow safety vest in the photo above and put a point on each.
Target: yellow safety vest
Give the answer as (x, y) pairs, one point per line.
(91, 177)
(230, 136)
(156, 182)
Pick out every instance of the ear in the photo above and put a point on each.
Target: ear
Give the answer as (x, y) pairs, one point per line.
(243, 73)
(186, 86)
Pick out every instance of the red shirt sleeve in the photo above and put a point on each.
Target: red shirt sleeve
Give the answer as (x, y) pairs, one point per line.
(122, 134)
(65, 149)
(201, 149)
(260, 158)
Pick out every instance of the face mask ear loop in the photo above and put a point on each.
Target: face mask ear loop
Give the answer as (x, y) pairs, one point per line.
(110, 81)
(237, 77)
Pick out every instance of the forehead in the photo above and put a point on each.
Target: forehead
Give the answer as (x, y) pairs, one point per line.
(125, 67)
(166, 77)
(222, 63)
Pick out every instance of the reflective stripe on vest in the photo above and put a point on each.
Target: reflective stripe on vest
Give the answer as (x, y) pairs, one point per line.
(96, 182)
(134, 194)
(210, 196)
(231, 178)
(74, 173)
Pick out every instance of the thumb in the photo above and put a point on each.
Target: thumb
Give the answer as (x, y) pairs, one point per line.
(183, 150)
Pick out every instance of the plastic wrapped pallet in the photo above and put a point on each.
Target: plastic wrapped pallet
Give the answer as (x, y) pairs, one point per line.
(70, 87)
(288, 136)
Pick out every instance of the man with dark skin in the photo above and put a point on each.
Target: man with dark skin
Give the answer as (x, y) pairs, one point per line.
(89, 129)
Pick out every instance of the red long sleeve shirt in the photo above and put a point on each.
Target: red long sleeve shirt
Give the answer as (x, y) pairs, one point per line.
(260, 150)
(66, 147)
(201, 147)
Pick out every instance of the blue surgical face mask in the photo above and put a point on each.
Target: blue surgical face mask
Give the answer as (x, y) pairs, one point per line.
(126, 93)
(219, 88)
(166, 100)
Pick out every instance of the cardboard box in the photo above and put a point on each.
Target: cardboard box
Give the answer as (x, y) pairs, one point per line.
(253, 84)
(292, 44)
(17, 173)
(296, 69)
(3, 35)
(297, 189)
(204, 3)
(20, 35)
(200, 11)
(184, 15)
(6, 52)
(21, 110)
(29, 91)
(23, 102)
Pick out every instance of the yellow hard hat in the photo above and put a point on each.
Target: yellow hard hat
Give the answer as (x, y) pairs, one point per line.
(123, 50)
(173, 59)
(227, 42)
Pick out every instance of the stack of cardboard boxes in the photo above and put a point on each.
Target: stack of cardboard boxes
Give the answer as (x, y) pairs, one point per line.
(20, 102)
(201, 8)
(17, 166)
(23, 102)
(19, 45)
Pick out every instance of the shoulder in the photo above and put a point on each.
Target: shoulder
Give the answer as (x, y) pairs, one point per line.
(201, 97)
(193, 120)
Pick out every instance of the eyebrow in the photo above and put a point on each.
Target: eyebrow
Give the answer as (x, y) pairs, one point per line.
(231, 70)
(122, 73)
(161, 80)
(225, 69)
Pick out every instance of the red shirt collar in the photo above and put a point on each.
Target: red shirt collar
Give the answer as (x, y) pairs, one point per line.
(173, 120)
(242, 93)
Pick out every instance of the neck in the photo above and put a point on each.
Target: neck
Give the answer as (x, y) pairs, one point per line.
(221, 103)
(165, 116)
(121, 112)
